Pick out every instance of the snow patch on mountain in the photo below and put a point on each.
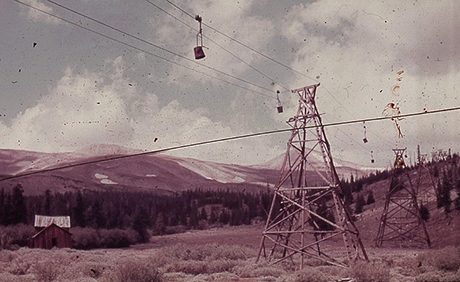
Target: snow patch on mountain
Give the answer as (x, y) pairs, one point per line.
(104, 179)
(213, 171)
(19, 161)
(108, 181)
(316, 161)
(100, 176)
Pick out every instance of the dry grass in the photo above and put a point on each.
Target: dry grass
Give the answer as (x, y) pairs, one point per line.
(311, 274)
(371, 272)
(446, 259)
(217, 262)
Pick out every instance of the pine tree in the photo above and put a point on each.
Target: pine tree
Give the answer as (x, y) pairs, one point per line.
(112, 215)
(47, 203)
(424, 212)
(183, 217)
(99, 220)
(212, 216)
(224, 217)
(60, 205)
(18, 206)
(160, 226)
(2, 207)
(7, 210)
(457, 188)
(79, 211)
(325, 213)
(140, 225)
(439, 194)
(93, 214)
(236, 217)
(370, 198)
(193, 216)
(443, 193)
(203, 214)
(360, 202)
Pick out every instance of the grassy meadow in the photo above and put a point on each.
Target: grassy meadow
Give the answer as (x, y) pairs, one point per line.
(210, 255)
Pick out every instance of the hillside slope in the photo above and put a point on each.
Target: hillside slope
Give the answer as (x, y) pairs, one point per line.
(443, 229)
(153, 172)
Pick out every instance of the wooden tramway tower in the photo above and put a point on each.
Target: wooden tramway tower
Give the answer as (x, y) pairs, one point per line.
(401, 221)
(307, 215)
(425, 188)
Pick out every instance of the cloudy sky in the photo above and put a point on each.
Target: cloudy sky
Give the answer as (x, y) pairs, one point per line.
(64, 87)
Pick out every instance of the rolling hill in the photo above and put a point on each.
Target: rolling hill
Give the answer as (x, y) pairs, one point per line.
(166, 174)
(153, 172)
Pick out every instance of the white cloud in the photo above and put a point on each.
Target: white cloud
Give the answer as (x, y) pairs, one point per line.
(90, 108)
(78, 111)
(233, 19)
(38, 16)
(356, 49)
(173, 125)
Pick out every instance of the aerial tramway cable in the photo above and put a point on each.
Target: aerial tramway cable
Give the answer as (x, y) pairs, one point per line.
(225, 139)
(220, 46)
(147, 52)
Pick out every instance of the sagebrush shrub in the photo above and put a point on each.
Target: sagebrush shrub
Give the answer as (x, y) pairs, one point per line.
(137, 271)
(247, 270)
(19, 266)
(7, 255)
(208, 252)
(89, 238)
(117, 238)
(188, 267)
(175, 229)
(370, 272)
(46, 271)
(438, 276)
(15, 235)
(85, 238)
(434, 276)
(312, 275)
(447, 259)
(221, 265)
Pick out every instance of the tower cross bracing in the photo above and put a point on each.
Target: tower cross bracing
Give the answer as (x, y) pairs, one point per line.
(401, 220)
(308, 217)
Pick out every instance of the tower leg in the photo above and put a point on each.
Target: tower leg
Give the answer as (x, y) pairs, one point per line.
(312, 213)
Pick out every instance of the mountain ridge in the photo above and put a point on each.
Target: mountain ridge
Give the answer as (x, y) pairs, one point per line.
(149, 172)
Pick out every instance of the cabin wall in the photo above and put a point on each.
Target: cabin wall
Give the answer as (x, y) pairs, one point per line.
(52, 236)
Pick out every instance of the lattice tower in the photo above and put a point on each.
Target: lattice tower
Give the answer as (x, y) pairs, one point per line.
(401, 221)
(308, 217)
(425, 186)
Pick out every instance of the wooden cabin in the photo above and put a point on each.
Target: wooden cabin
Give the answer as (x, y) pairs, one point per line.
(52, 231)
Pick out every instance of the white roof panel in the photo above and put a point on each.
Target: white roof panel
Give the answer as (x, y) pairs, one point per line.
(45, 221)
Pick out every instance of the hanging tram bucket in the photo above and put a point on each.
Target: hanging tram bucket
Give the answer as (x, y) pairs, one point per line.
(198, 50)
(279, 107)
(199, 53)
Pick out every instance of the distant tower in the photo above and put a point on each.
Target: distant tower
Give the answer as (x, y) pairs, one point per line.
(401, 221)
(419, 156)
(425, 184)
(307, 213)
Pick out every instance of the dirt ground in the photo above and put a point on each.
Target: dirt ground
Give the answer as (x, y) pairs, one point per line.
(248, 236)
(220, 254)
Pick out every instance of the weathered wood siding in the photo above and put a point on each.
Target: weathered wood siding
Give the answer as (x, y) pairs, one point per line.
(52, 236)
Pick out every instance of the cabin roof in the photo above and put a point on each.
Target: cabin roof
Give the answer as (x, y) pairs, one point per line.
(45, 221)
(46, 228)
